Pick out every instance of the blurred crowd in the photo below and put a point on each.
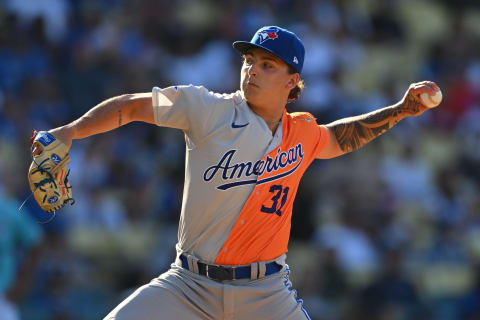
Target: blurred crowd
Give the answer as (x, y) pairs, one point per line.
(391, 231)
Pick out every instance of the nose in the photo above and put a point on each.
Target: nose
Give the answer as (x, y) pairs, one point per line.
(252, 70)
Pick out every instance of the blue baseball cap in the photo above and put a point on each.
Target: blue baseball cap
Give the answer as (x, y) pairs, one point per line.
(278, 41)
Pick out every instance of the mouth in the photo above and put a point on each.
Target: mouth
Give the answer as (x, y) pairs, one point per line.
(251, 84)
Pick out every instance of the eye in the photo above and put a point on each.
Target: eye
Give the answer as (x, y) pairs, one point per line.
(248, 61)
(266, 65)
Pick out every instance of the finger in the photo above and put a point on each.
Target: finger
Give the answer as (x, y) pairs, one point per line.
(430, 84)
(36, 151)
(423, 88)
(435, 86)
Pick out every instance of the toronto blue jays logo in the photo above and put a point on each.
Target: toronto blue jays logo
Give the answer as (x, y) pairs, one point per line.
(228, 170)
(268, 34)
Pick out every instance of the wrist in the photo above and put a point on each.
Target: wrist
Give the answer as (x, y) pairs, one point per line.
(65, 134)
(411, 106)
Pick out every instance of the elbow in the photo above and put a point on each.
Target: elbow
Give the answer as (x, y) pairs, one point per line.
(127, 107)
(137, 107)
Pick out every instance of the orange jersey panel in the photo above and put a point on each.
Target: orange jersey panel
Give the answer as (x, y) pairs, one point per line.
(262, 230)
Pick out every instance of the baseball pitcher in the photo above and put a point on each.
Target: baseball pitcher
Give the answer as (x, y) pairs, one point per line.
(245, 156)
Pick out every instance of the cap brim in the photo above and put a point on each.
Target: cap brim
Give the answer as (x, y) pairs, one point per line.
(244, 46)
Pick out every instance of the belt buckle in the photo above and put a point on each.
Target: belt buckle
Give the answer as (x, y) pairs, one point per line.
(219, 273)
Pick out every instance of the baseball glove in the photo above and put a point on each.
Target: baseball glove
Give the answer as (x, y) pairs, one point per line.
(48, 172)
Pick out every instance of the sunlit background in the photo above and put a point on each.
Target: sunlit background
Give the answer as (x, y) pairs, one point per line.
(389, 232)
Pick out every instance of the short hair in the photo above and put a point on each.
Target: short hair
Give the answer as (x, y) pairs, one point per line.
(295, 92)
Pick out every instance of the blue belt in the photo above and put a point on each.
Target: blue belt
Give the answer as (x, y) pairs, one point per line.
(221, 273)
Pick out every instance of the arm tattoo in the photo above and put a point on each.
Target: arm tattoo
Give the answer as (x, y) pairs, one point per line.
(119, 118)
(353, 133)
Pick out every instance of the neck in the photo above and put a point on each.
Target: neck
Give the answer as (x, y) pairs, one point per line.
(272, 117)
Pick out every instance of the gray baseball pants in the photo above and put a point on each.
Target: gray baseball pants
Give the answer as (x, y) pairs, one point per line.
(182, 294)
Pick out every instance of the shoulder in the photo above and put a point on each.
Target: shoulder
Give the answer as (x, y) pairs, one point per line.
(302, 118)
(200, 93)
(234, 97)
(301, 115)
(304, 124)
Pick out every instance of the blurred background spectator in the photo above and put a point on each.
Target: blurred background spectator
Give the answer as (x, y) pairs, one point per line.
(20, 244)
(389, 232)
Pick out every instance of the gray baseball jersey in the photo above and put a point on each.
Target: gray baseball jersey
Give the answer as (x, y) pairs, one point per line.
(228, 147)
(240, 183)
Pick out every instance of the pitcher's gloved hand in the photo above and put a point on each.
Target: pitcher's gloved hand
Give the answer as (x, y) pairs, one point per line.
(48, 172)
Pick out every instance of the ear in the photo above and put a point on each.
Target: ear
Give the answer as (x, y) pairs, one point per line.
(293, 81)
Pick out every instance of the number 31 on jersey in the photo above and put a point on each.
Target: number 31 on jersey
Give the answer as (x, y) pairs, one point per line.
(276, 207)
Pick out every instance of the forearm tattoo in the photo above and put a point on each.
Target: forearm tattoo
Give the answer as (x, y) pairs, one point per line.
(353, 133)
(119, 118)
